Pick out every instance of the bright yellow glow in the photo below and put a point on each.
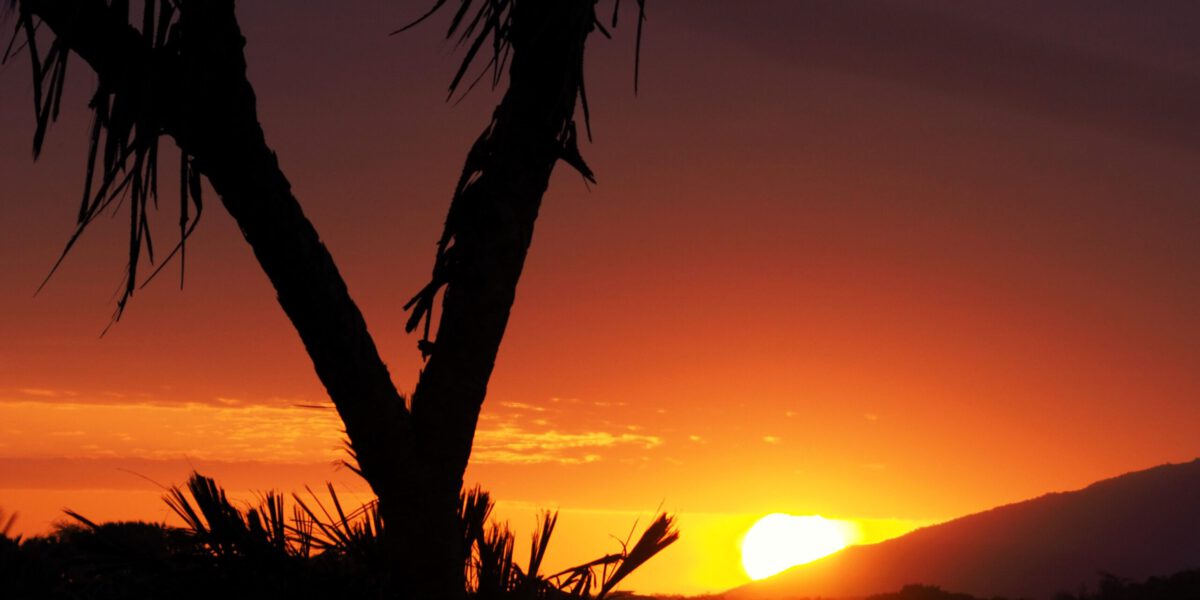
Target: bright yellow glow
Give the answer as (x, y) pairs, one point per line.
(778, 541)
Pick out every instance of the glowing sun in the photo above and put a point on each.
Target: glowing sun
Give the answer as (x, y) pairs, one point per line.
(778, 541)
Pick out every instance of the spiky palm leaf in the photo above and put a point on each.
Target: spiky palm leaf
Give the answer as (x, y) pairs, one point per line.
(541, 541)
(660, 534)
(492, 572)
(495, 571)
(261, 532)
(357, 534)
(579, 581)
(267, 522)
(529, 584)
(475, 509)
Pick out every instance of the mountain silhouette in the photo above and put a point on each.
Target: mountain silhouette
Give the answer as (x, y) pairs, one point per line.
(1137, 525)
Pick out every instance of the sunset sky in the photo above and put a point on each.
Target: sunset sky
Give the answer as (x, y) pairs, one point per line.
(892, 263)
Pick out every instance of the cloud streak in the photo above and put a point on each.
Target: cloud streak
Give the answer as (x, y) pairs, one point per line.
(50, 426)
(509, 443)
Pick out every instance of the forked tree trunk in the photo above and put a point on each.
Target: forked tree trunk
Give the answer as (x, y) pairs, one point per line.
(414, 461)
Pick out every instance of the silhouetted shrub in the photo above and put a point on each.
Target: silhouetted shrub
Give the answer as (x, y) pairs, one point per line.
(320, 552)
(924, 592)
(1184, 585)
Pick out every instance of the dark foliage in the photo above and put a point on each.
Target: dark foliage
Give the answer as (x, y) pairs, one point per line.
(318, 550)
(1184, 585)
(924, 592)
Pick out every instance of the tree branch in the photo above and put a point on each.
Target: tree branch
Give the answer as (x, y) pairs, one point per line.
(203, 100)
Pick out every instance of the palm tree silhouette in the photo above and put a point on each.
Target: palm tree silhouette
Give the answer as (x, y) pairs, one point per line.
(181, 73)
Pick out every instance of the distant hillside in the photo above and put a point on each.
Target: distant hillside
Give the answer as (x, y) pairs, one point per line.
(1135, 526)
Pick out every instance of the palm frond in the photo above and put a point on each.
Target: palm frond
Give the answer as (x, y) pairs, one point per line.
(210, 517)
(475, 509)
(579, 580)
(495, 572)
(660, 534)
(541, 541)
(269, 522)
(301, 532)
(358, 533)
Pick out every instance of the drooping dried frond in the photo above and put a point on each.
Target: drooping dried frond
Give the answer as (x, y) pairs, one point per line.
(637, 49)
(122, 159)
(490, 25)
(511, 28)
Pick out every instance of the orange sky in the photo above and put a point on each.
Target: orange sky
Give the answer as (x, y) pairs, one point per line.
(892, 264)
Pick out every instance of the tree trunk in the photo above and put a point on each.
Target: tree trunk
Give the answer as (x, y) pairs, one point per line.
(414, 461)
(220, 129)
(489, 230)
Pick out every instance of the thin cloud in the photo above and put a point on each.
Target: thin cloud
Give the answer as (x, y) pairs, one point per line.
(44, 393)
(512, 444)
(523, 406)
(53, 427)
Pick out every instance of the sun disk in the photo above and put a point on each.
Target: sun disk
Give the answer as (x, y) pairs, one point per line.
(778, 541)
